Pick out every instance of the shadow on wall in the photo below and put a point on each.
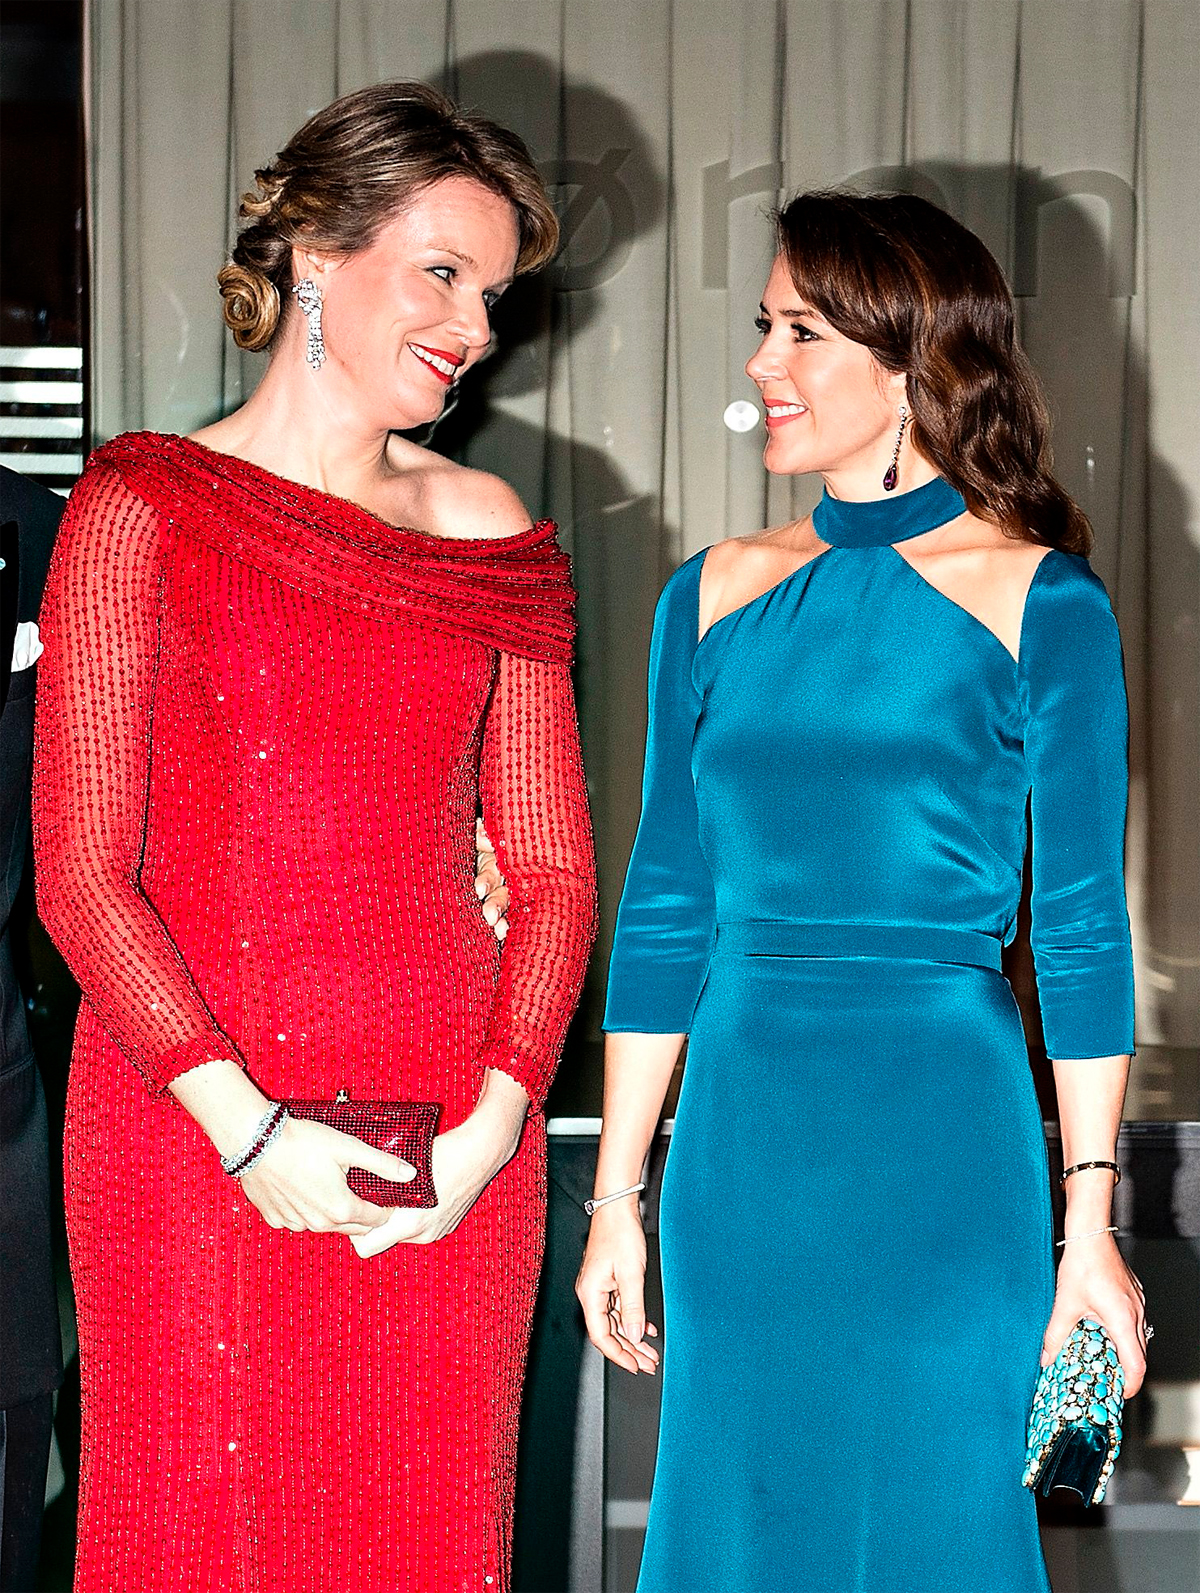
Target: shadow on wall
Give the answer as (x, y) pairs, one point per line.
(610, 192)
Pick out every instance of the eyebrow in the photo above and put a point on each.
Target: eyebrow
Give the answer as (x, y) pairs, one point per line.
(793, 315)
(496, 287)
(444, 248)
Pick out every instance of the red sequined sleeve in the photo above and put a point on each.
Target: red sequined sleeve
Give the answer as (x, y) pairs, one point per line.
(94, 707)
(535, 810)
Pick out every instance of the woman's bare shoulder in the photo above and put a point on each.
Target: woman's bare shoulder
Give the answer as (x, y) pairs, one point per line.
(222, 436)
(981, 548)
(984, 570)
(447, 499)
(740, 569)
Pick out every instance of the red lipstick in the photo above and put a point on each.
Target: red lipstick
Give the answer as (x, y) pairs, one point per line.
(427, 355)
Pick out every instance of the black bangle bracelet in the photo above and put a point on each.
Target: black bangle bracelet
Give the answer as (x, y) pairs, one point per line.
(1086, 1167)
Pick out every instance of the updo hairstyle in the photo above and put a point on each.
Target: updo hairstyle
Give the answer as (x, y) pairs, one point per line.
(351, 169)
(902, 277)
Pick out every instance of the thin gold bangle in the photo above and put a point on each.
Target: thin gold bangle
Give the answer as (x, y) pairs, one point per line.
(1092, 1233)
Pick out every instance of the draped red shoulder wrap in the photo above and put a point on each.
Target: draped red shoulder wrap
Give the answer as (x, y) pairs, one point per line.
(513, 593)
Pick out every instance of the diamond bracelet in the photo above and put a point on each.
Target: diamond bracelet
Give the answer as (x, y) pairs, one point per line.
(265, 1134)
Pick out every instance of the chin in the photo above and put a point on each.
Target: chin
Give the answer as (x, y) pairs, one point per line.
(408, 416)
(782, 460)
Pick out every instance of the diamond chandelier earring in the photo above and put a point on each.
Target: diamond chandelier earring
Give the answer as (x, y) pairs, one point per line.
(308, 296)
(892, 474)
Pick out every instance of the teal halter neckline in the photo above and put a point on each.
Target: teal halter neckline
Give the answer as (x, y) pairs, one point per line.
(882, 521)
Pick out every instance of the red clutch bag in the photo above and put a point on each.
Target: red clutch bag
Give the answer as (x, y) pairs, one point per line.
(403, 1128)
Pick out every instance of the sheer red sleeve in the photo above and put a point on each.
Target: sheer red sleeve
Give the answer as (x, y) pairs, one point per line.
(535, 809)
(95, 694)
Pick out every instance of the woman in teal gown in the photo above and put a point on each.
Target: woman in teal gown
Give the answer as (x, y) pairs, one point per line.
(850, 719)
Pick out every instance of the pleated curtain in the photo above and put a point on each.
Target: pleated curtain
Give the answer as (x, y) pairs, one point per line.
(1063, 131)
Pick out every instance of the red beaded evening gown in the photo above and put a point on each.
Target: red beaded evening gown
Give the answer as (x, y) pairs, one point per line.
(265, 723)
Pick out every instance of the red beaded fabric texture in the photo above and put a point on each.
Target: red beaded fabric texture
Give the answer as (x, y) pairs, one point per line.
(266, 721)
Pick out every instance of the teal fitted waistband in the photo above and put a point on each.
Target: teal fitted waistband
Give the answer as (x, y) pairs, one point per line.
(777, 937)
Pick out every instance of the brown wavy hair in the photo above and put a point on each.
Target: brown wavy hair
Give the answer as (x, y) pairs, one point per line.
(351, 169)
(902, 277)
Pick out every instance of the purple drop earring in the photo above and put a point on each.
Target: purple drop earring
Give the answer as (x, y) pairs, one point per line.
(892, 474)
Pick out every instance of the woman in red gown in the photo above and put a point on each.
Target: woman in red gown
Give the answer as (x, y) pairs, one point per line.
(270, 714)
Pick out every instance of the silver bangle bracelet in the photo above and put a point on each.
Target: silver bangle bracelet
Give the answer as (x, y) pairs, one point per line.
(603, 1200)
(265, 1134)
(1092, 1233)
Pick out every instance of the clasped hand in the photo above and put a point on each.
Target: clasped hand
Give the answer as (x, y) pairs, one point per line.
(299, 1181)
(465, 1160)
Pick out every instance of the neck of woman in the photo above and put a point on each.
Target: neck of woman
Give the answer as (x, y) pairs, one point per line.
(862, 482)
(305, 426)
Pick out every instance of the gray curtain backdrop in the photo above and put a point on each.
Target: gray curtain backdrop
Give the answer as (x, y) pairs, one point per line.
(1063, 131)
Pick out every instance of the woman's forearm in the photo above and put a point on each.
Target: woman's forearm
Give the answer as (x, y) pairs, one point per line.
(224, 1100)
(1091, 1095)
(499, 1115)
(637, 1075)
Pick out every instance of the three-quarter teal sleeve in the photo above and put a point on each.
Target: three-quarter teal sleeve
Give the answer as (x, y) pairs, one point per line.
(1076, 750)
(666, 920)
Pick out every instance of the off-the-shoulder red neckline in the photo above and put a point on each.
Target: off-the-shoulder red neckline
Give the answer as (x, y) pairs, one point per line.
(235, 463)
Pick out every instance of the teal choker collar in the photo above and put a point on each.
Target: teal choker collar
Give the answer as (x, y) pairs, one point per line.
(882, 521)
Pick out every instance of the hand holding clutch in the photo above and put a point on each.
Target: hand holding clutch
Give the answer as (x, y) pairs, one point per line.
(464, 1160)
(403, 1128)
(1075, 1423)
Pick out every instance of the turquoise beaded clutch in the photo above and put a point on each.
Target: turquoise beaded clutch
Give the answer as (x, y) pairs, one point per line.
(1075, 1424)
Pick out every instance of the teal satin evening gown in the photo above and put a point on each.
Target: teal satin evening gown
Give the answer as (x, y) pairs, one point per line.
(856, 1236)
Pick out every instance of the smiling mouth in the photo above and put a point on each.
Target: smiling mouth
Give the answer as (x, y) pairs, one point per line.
(442, 365)
(780, 414)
